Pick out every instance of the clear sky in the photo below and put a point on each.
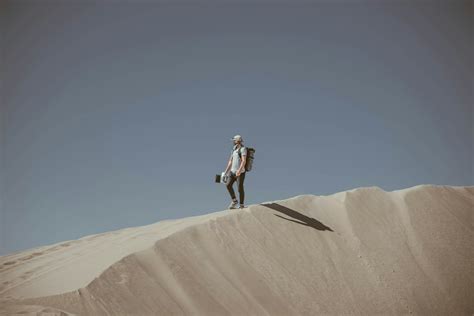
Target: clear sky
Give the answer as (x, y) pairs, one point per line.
(117, 114)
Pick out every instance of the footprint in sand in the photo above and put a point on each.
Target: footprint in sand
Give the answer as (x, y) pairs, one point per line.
(9, 263)
(51, 311)
(26, 275)
(35, 254)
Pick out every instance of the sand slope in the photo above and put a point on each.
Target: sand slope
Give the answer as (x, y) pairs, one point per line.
(361, 251)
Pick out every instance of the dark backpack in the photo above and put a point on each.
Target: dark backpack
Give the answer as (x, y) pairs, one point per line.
(250, 156)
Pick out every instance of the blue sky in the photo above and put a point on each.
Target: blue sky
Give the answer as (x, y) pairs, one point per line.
(118, 114)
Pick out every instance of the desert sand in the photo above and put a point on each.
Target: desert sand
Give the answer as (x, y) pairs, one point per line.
(363, 251)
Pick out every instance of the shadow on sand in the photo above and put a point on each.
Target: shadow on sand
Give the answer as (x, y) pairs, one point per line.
(301, 219)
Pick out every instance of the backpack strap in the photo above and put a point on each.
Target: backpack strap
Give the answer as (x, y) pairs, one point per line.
(240, 154)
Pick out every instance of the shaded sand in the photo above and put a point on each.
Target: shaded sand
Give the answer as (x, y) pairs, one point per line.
(362, 251)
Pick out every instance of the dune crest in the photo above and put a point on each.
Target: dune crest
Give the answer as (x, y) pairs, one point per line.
(360, 251)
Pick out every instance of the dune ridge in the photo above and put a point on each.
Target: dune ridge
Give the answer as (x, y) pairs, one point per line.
(360, 251)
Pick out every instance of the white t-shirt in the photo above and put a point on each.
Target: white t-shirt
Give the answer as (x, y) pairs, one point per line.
(236, 159)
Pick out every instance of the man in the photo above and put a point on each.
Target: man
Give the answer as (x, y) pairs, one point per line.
(237, 171)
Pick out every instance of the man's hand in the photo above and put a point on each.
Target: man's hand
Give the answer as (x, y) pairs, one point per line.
(238, 173)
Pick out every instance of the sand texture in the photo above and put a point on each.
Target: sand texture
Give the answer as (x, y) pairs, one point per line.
(363, 251)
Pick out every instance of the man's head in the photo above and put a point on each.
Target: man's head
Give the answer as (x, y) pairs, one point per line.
(237, 139)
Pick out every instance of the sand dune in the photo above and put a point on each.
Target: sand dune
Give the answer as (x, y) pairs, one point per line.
(362, 251)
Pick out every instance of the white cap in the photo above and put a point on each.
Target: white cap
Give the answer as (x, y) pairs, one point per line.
(237, 137)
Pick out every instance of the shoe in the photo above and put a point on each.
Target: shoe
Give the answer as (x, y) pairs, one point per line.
(233, 205)
(241, 206)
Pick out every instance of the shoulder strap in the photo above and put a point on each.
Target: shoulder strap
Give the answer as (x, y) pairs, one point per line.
(240, 149)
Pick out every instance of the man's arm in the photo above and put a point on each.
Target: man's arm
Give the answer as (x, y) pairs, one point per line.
(242, 164)
(229, 163)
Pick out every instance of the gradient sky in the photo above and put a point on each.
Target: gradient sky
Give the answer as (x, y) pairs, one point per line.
(117, 114)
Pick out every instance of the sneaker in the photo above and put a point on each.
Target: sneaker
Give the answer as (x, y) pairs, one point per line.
(241, 206)
(233, 205)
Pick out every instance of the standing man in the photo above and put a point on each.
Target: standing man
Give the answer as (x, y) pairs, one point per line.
(237, 171)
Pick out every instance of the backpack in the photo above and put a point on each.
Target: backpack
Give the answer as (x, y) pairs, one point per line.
(249, 161)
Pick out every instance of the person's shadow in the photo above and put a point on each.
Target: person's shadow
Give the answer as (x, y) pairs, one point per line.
(301, 219)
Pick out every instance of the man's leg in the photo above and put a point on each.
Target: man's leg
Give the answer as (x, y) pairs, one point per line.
(230, 188)
(241, 188)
